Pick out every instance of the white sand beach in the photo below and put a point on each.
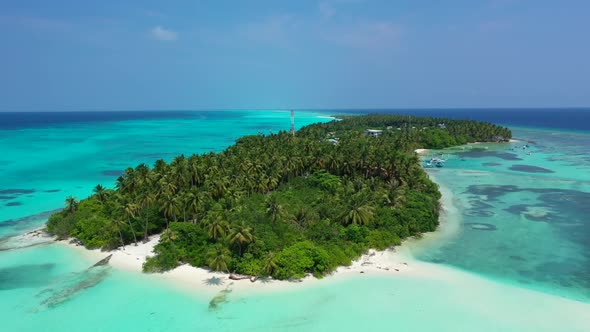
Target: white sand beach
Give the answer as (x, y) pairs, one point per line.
(131, 258)
(506, 305)
(392, 262)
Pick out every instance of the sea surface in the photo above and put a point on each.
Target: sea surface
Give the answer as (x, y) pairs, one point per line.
(516, 259)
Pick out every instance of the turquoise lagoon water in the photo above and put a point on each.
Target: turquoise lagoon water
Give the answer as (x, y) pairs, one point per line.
(525, 211)
(518, 261)
(43, 162)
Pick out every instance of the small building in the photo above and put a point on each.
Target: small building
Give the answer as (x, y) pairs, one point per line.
(442, 126)
(333, 141)
(373, 132)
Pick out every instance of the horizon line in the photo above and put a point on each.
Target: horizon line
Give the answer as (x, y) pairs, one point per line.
(305, 109)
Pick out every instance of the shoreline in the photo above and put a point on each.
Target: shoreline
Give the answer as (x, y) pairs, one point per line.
(201, 283)
(450, 221)
(422, 151)
(394, 262)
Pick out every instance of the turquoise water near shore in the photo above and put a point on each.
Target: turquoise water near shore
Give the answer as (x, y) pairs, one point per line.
(518, 261)
(525, 211)
(42, 165)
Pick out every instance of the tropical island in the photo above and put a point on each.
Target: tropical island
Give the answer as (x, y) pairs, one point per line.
(279, 205)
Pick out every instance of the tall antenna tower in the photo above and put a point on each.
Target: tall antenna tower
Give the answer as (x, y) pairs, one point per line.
(293, 122)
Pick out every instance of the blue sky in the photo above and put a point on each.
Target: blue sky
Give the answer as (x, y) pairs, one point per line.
(117, 54)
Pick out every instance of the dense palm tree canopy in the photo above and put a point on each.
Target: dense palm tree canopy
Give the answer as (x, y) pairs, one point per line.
(278, 205)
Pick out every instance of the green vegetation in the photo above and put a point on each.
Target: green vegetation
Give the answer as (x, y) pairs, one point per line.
(277, 205)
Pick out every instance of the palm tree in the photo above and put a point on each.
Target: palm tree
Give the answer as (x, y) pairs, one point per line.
(395, 198)
(166, 186)
(194, 204)
(234, 196)
(185, 202)
(170, 208)
(119, 224)
(219, 187)
(100, 192)
(71, 204)
(241, 235)
(218, 258)
(127, 182)
(262, 185)
(142, 172)
(270, 264)
(194, 170)
(129, 210)
(272, 182)
(273, 208)
(217, 228)
(160, 166)
(121, 183)
(179, 168)
(359, 212)
(146, 200)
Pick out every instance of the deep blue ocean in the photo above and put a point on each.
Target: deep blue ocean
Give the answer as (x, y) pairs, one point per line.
(559, 118)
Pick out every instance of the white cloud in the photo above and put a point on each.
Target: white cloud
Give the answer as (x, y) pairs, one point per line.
(162, 34)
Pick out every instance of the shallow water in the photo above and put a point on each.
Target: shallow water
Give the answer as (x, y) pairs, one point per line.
(514, 230)
(447, 300)
(526, 225)
(61, 292)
